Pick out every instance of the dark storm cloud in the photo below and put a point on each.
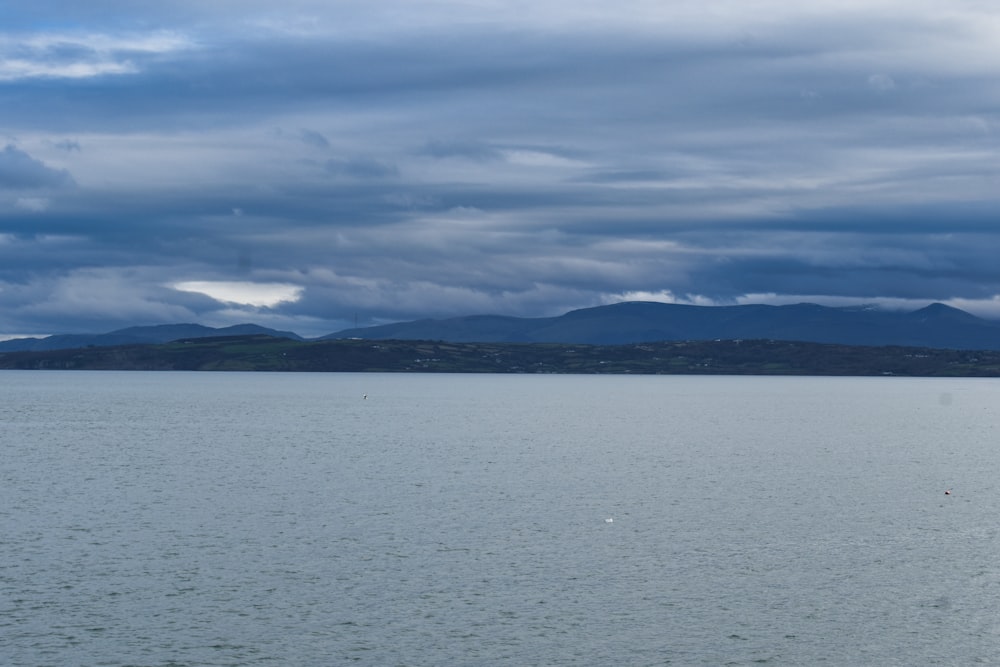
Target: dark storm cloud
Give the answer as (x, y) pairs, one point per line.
(395, 160)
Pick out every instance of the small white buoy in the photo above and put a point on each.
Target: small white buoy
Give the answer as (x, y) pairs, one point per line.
(609, 520)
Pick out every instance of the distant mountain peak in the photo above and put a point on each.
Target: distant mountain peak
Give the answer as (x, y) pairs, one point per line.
(938, 307)
(942, 311)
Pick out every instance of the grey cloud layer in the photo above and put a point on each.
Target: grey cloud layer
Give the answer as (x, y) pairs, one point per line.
(507, 164)
(20, 171)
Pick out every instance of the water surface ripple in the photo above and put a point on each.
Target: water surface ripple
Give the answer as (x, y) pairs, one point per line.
(174, 519)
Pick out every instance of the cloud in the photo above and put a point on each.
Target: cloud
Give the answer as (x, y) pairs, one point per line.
(41, 55)
(262, 295)
(89, 299)
(540, 158)
(32, 204)
(453, 148)
(314, 139)
(12, 69)
(881, 83)
(18, 170)
(514, 157)
(68, 145)
(362, 168)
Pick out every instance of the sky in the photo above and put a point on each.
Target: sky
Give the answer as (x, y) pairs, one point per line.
(308, 165)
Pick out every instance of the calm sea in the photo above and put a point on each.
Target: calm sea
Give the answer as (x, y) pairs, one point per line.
(177, 519)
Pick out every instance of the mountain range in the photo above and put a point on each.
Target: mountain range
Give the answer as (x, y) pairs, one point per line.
(162, 333)
(935, 326)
